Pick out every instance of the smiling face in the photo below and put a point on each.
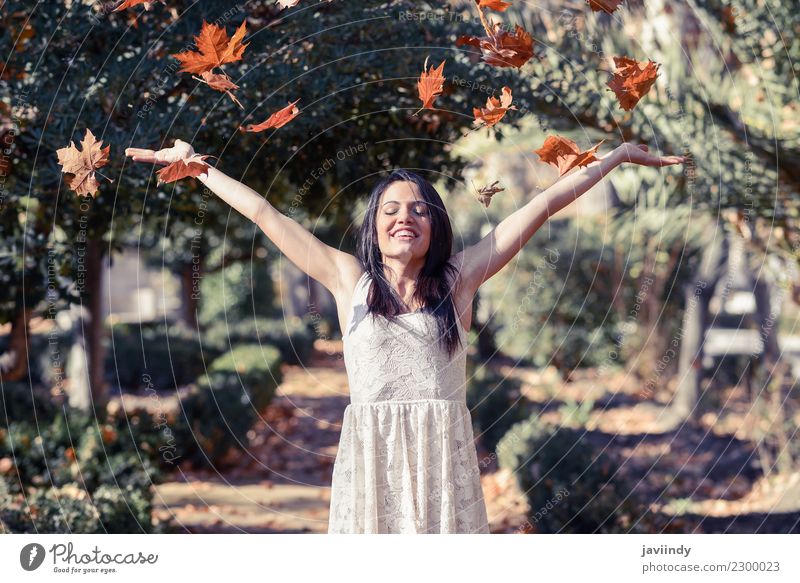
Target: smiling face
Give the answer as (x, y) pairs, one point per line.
(403, 222)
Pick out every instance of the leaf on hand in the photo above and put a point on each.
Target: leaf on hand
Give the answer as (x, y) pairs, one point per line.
(278, 119)
(131, 3)
(430, 84)
(485, 193)
(220, 82)
(564, 154)
(502, 48)
(191, 167)
(495, 109)
(82, 163)
(498, 5)
(607, 6)
(632, 80)
(214, 49)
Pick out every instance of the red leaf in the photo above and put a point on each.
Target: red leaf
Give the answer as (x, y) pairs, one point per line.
(191, 167)
(430, 84)
(564, 154)
(276, 120)
(632, 80)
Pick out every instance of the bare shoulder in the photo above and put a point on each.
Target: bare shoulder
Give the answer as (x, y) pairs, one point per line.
(349, 271)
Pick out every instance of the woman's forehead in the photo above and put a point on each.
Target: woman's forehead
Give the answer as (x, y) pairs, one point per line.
(401, 191)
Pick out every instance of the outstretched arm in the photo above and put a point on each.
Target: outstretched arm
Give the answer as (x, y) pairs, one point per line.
(320, 261)
(478, 262)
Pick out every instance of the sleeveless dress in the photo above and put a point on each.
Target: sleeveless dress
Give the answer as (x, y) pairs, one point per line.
(407, 461)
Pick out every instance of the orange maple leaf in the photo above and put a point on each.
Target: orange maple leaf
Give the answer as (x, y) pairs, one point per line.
(564, 154)
(82, 163)
(131, 3)
(632, 80)
(498, 5)
(191, 167)
(502, 48)
(278, 119)
(485, 193)
(220, 82)
(495, 109)
(607, 6)
(214, 49)
(430, 84)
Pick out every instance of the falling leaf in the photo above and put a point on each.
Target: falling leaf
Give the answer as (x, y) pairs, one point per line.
(82, 163)
(632, 80)
(485, 193)
(430, 84)
(495, 109)
(220, 82)
(214, 49)
(131, 3)
(607, 6)
(191, 167)
(276, 120)
(564, 154)
(498, 5)
(502, 48)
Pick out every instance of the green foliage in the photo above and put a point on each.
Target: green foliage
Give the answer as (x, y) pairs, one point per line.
(495, 404)
(256, 366)
(70, 510)
(241, 290)
(217, 413)
(79, 475)
(293, 337)
(153, 355)
(569, 487)
(20, 402)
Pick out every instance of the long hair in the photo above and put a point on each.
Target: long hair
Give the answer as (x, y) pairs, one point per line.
(433, 290)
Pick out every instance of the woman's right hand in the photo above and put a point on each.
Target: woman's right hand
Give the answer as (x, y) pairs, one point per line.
(180, 151)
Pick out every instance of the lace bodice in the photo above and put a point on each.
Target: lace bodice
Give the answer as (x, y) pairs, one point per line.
(402, 360)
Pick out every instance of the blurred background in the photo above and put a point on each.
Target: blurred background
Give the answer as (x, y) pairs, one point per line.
(633, 369)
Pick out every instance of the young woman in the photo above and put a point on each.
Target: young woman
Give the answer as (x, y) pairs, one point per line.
(406, 459)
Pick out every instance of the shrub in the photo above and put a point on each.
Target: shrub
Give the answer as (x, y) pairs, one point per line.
(568, 487)
(20, 402)
(258, 367)
(292, 336)
(494, 403)
(153, 354)
(217, 413)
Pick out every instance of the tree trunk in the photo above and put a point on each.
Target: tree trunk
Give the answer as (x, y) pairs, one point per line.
(189, 295)
(697, 296)
(14, 362)
(87, 388)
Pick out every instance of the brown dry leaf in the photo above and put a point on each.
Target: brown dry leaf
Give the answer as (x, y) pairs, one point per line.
(82, 163)
(278, 119)
(220, 82)
(495, 109)
(214, 49)
(191, 167)
(564, 154)
(632, 80)
(501, 48)
(131, 3)
(430, 84)
(607, 6)
(498, 5)
(485, 193)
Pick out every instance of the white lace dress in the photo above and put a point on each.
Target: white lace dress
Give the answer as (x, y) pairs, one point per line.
(407, 461)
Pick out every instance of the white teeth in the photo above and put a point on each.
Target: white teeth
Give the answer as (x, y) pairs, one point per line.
(401, 233)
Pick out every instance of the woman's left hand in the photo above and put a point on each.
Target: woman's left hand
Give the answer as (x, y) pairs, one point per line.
(638, 154)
